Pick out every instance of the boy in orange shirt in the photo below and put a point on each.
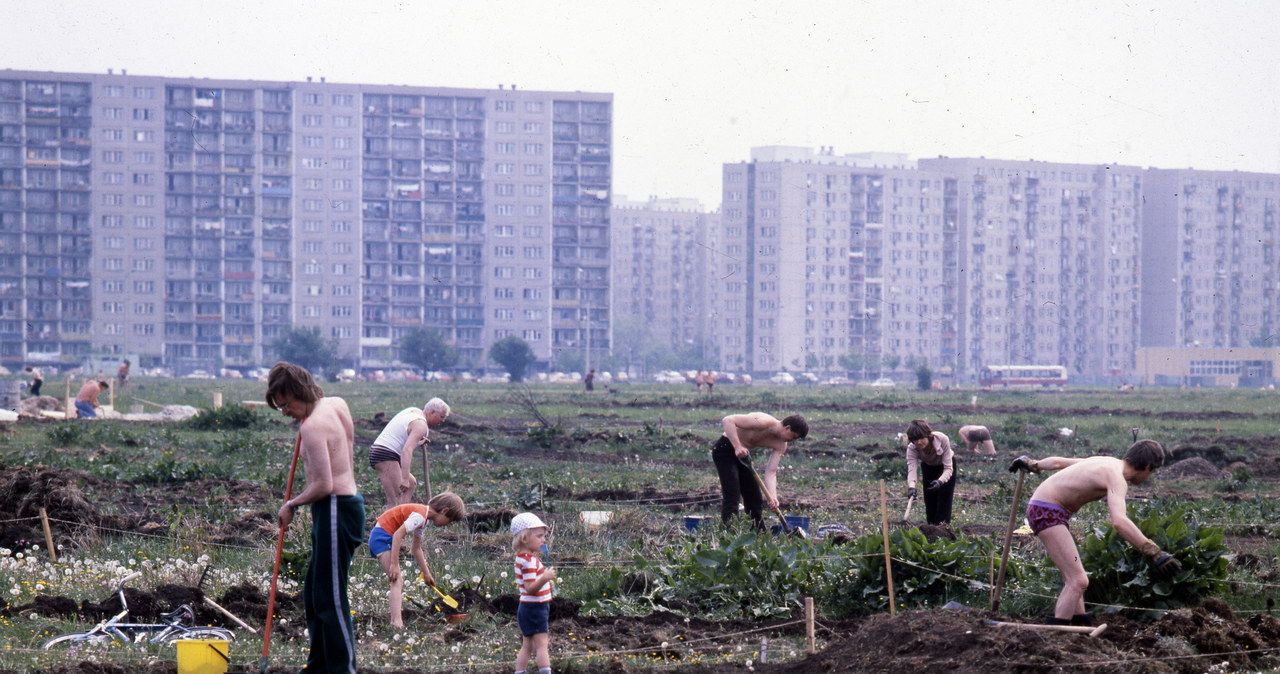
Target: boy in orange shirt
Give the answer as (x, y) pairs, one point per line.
(388, 535)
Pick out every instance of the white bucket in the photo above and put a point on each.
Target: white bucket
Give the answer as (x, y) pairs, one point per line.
(596, 518)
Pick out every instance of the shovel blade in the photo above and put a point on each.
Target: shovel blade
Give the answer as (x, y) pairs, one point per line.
(448, 601)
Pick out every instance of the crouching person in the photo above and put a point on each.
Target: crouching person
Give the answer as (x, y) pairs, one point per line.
(411, 519)
(1061, 495)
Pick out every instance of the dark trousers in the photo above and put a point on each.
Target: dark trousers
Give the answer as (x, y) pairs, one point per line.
(736, 483)
(35, 387)
(337, 529)
(937, 504)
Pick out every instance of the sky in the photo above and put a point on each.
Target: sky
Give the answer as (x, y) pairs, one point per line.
(698, 83)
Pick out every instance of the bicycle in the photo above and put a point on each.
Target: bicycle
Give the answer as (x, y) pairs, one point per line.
(173, 626)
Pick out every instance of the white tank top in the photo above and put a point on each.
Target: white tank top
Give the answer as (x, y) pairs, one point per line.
(393, 437)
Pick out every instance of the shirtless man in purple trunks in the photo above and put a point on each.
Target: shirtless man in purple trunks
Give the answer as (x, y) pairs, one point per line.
(1062, 494)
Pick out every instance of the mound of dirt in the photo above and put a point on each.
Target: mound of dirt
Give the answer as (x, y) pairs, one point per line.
(947, 641)
(1194, 468)
(32, 407)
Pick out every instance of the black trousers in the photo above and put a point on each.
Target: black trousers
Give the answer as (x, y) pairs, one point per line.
(736, 483)
(35, 387)
(937, 504)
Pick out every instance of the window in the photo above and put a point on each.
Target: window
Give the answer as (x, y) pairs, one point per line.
(343, 100)
(312, 268)
(144, 286)
(310, 311)
(533, 127)
(142, 114)
(533, 169)
(113, 113)
(113, 134)
(146, 93)
(504, 230)
(533, 106)
(113, 264)
(144, 157)
(533, 148)
(312, 141)
(144, 200)
(144, 179)
(342, 121)
(144, 243)
(532, 335)
(533, 210)
(113, 287)
(313, 120)
(113, 157)
(504, 127)
(340, 311)
(113, 200)
(342, 247)
(504, 189)
(503, 168)
(144, 136)
(504, 272)
(113, 91)
(112, 221)
(342, 143)
(144, 308)
(343, 269)
(113, 242)
(312, 99)
(313, 247)
(504, 106)
(534, 190)
(143, 264)
(506, 209)
(504, 293)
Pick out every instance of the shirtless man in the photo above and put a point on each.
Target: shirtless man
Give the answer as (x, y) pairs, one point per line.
(974, 435)
(87, 399)
(392, 452)
(326, 437)
(742, 433)
(1063, 494)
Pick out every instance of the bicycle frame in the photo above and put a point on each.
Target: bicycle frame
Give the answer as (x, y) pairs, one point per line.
(177, 624)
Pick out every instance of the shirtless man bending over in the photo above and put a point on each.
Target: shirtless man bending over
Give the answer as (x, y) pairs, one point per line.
(1062, 494)
(742, 433)
(326, 437)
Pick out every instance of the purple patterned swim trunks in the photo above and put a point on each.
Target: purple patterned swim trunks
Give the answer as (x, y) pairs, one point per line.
(1041, 515)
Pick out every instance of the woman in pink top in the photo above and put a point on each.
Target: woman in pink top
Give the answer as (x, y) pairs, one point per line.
(930, 452)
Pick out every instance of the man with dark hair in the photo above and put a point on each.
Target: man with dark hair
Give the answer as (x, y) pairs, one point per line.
(732, 457)
(1062, 494)
(87, 399)
(975, 436)
(326, 441)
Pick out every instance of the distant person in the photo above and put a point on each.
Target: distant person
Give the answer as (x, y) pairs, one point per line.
(1062, 494)
(122, 375)
(386, 540)
(975, 436)
(710, 380)
(36, 380)
(589, 381)
(731, 455)
(87, 399)
(326, 442)
(929, 452)
(392, 452)
(699, 380)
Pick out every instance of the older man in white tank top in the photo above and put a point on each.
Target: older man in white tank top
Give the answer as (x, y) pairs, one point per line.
(392, 452)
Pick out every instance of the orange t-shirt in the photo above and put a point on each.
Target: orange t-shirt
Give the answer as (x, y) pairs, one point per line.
(393, 519)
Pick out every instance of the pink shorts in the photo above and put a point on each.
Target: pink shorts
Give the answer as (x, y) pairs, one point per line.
(1041, 515)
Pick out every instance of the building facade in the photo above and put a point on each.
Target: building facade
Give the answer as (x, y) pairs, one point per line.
(662, 249)
(954, 263)
(1209, 253)
(191, 220)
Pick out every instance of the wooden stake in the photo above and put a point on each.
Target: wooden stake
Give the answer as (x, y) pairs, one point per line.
(71, 413)
(48, 535)
(1008, 541)
(1078, 629)
(217, 400)
(888, 563)
(229, 614)
(808, 625)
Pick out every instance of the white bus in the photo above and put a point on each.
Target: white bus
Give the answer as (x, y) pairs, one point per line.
(1023, 375)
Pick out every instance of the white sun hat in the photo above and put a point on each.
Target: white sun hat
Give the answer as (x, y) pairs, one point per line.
(525, 521)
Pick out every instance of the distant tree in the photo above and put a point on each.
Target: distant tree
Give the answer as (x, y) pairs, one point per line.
(305, 347)
(631, 339)
(891, 361)
(924, 376)
(569, 360)
(514, 355)
(427, 350)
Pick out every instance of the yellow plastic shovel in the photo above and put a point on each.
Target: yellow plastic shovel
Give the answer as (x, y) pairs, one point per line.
(449, 601)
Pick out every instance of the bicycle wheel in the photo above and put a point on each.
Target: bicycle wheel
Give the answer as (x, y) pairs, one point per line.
(201, 633)
(77, 639)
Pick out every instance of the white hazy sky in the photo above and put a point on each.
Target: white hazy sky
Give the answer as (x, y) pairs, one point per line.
(1167, 83)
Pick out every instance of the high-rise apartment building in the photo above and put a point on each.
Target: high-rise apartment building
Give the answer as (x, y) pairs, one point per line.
(1210, 276)
(1051, 258)
(957, 263)
(191, 220)
(661, 250)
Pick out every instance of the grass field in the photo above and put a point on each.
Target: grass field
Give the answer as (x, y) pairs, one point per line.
(194, 498)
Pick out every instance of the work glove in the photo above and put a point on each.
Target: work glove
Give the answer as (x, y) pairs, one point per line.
(934, 486)
(1164, 563)
(1024, 463)
(911, 492)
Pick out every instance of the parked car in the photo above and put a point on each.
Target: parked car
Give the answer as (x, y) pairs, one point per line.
(883, 382)
(782, 378)
(807, 378)
(838, 380)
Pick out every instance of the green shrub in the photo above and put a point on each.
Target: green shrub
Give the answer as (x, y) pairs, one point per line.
(226, 417)
(937, 572)
(1119, 575)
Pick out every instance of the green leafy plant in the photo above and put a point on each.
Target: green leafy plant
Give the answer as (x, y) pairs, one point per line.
(224, 418)
(935, 572)
(1119, 575)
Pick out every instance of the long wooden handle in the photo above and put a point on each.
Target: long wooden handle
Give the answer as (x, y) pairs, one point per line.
(275, 573)
(767, 494)
(1008, 541)
(1078, 629)
(229, 614)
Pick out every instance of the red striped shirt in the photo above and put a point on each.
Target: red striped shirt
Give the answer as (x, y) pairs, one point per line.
(528, 568)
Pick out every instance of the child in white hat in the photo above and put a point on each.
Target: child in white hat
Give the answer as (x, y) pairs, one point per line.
(528, 534)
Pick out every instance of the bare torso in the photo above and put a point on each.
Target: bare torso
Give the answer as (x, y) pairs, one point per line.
(327, 449)
(1087, 480)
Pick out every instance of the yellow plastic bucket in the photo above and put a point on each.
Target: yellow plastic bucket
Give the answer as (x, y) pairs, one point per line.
(203, 656)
